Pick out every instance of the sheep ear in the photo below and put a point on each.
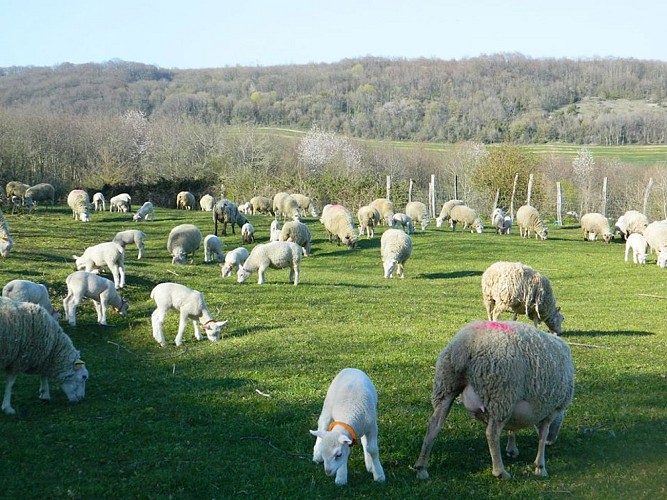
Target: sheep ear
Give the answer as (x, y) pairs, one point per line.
(75, 256)
(318, 433)
(344, 440)
(79, 364)
(221, 323)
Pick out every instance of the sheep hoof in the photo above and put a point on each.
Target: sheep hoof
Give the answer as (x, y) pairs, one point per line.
(422, 473)
(503, 475)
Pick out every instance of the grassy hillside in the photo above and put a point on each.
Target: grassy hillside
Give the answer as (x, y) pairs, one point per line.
(231, 418)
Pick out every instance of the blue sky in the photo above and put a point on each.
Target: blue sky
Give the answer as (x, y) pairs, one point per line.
(209, 33)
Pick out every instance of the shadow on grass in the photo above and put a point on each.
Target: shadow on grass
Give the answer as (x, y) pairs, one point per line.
(242, 332)
(452, 275)
(597, 333)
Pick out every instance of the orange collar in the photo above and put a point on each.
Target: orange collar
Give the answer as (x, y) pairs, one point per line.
(209, 321)
(347, 428)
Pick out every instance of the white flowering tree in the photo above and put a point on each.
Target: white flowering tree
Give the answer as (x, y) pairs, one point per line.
(320, 150)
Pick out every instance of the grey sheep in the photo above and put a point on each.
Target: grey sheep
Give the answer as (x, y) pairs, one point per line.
(275, 255)
(29, 291)
(338, 222)
(129, 236)
(226, 212)
(183, 240)
(529, 220)
(594, 224)
(395, 250)
(42, 192)
(297, 232)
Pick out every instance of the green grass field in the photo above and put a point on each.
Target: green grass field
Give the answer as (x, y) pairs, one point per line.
(231, 419)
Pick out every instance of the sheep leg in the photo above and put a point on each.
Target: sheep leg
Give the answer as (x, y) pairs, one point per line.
(434, 425)
(369, 442)
(44, 392)
(69, 305)
(490, 305)
(7, 400)
(542, 431)
(182, 322)
(100, 308)
(493, 430)
(198, 334)
(294, 274)
(157, 320)
(399, 271)
(260, 275)
(511, 450)
(140, 246)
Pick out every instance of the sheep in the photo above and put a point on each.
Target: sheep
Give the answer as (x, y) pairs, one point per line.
(286, 206)
(621, 227)
(274, 230)
(595, 224)
(40, 192)
(418, 212)
(466, 215)
(517, 288)
(233, 260)
(99, 202)
(395, 249)
(190, 304)
(110, 255)
(261, 205)
(662, 258)
(368, 218)
(510, 375)
(183, 240)
(145, 212)
(31, 341)
(401, 220)
(349, 415)
(15, 188)
(445, 213)
(29, 291)
(6, 241)
(120, 203)
(83, 284)
(124, 238)
(276, 255)
(185, 200)
(245, 208)
(207, 202)
(638, 244)
(297, 232)
(635, 222)
(213, 249)
(655, 235)
(305, 204)
(338, 222)
(227, 212)
(79, 202)
(529, 220)
(385, 208)
(247, 233)
(17, 203)
(500, 221)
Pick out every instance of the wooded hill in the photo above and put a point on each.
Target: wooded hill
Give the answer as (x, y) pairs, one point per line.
(495, 98)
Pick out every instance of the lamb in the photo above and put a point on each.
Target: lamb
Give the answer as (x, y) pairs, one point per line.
(245, 208)
(385, 208)
(510, 375)
(595, 224)
(6, 241)
(99, 202)
(79, 202)
(638, 244)
(233, 260)
(286, 206)
(183, 240)
(655, 235)
(445, 213)
(145, 212)
(29, 291)
(635, 222)
(213, 249)
(276, 255)
(517, 288)
(82, 284)
(207, 202)
(274, 230)
(120, 203)
(466, 215)
(191, 306)
(403, 220)
(110, 255)
(248, 233)
(338, 222)
(305, 204)
(418, 212)
(38, 193)
(31, 341)
(368, 218)
(500, 221)
(529, 220)
(297, 232)
(395, 249)
(227, 212)
(185, 200)
(261, 205)
(349, 414)
(124, 238)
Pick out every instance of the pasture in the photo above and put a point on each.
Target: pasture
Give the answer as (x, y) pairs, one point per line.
(231, 418)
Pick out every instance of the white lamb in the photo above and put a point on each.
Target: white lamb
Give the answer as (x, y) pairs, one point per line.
(31, 341)
(502, 223)
(124, 238)
(183, 240)
(233, 260)
(185, 200)
(595, 224)
(29, 291)
(368, 218)
(467, 216)
(207, 202)
(386, 209)
(297, 232)
(120, 203)
(99, 202)
(445, 213)
(395, 249)
(529, 220)
(101, 291)
(275, 230)
(510, 376)
(109, 255)
(245, 208)
(247, 233)
(145, 212)
(338, 222)
(419, 213)
(213, 249)
(638, 244)
(274, 255)
(349, 415)
(79, 202)
(403, 220)
(6, 242)
(191, 306)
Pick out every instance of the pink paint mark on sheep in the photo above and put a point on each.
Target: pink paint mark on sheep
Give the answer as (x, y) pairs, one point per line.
(496, 325)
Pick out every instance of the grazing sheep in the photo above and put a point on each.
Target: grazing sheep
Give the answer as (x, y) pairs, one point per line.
(101, 291)
(99, 202)
(247, 233)
(31, 341)
(349, 415)
(306, 205)
(510, 375)
(207, 202)
(368, 218)
(621, 227)
(385, 208)
(120, 203)
(29, 291)
(227, 212)
(529, 220)
(404, 221)
(286, 206)
(6, 242)
(502, 223)
(191, 306)
(466, 215)
(213, 249)
(145, 212)
(261, 205)
(15, 188)
(38, 193)
(595, 224)
(108, 255)
(274, 255)
(635, 222)
(124, 238)
(233, 260)
(418, 212)
(638, 244)
(183, 240)
(516, 288)
(339, 224)
(274, 230)
(395, 249)
(79, 202)
(297, 232)
(185, 200)
(656, 235)
(445, 213)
